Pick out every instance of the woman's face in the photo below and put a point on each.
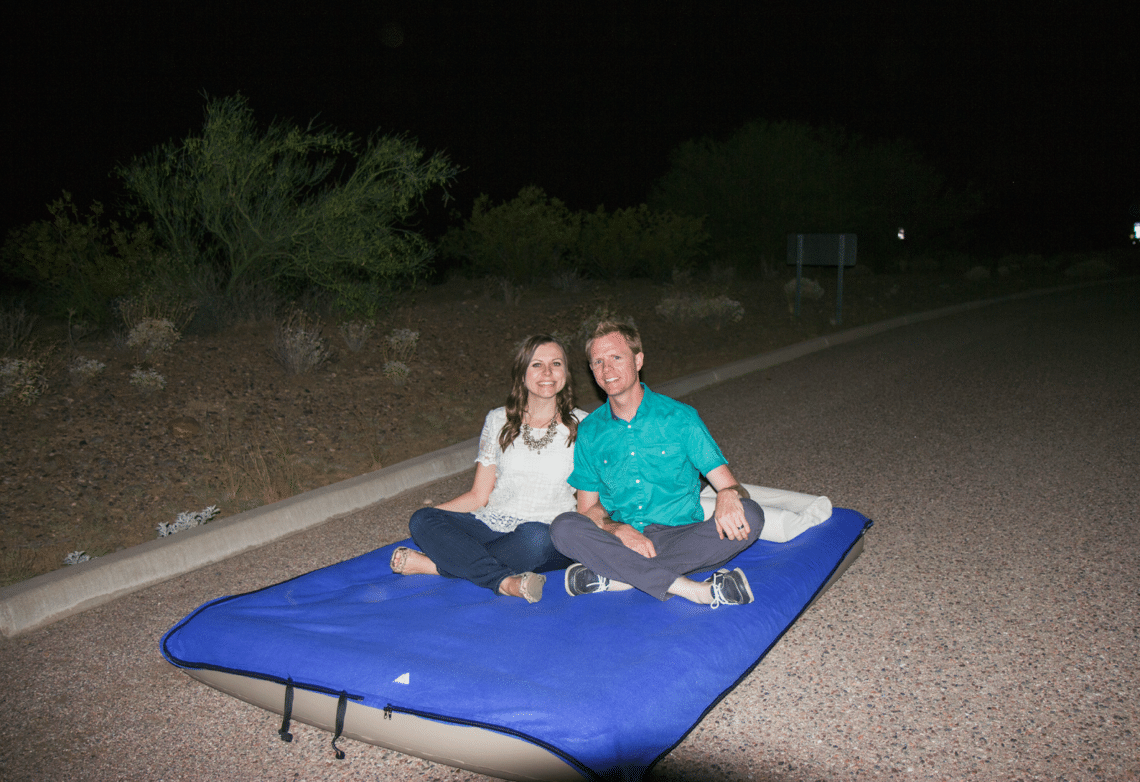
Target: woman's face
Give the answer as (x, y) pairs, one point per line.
(546, 372)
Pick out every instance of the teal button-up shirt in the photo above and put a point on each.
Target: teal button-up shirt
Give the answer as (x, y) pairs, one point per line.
(646, 471)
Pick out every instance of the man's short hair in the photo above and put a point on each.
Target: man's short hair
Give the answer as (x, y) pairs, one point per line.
(627, 330)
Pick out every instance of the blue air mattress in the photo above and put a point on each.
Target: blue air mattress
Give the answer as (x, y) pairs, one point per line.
(602, 685)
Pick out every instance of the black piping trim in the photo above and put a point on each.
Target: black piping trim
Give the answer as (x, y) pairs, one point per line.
(266, 677)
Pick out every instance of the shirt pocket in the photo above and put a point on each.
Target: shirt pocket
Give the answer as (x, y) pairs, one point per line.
(666, 462)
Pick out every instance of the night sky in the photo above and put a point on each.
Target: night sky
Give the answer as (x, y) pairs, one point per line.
(1039, 111)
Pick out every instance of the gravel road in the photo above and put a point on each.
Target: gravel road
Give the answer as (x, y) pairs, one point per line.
(989, 631)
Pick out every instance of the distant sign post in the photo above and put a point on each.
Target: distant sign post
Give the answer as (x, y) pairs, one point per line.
(837, 250)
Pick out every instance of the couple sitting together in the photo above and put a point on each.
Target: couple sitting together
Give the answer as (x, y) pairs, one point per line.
(635, 465)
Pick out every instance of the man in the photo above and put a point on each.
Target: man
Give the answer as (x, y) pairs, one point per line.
(640, 456)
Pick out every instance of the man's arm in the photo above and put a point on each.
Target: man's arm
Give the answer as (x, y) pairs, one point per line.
(729, 513)
(590, 505)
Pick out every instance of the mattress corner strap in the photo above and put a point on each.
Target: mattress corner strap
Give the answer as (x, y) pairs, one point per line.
(286, 713)
(341, 708)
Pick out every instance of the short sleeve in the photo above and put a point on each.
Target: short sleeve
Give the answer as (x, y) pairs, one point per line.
(585, 475)
(489, 451)
(704, 453)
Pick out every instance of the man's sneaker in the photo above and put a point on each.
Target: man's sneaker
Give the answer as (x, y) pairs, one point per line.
(580, 580)
(730, 588)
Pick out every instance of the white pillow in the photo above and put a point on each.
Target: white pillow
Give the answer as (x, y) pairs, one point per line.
(786, 513)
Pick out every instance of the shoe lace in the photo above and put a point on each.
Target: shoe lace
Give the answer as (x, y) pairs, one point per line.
(599, 584)
(718, 596)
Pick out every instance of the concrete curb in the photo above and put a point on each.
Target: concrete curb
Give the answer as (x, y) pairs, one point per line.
(44, 599)
(52, 596)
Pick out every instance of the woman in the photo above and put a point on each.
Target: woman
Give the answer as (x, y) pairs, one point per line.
(498, 534)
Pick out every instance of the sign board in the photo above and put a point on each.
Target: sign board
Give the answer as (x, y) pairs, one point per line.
(837, 250)
(823, 249)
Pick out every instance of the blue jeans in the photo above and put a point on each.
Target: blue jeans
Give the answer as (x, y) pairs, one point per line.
(461, 546)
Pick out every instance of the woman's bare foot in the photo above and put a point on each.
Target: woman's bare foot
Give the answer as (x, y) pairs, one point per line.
(409, 562)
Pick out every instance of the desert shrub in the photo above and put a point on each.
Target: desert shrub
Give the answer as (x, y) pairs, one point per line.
(186, 520)
(638, 242)
(397, 372)
(151, 337)
(355, 333)
(400, 345)
(715, 311)
(567, 281)
(264, 205)
(82, 370)
(15, 327)
(810, 290)
(521, 240)
(722, 274)
(22, 380)
(298, 344)
(604, 310)
(151, 304)
(534, 237)
(79, 263)
(512, 293)
(977, 273)
(1089, 268)
(76, 558)
(147, 381)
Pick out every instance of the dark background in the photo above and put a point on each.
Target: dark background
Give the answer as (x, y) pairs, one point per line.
(1038, 109)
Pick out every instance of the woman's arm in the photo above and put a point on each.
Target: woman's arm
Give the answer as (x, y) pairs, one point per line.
(476, 497)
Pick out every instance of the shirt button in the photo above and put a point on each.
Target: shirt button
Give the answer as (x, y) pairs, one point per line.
(631, 453)
(638, 481)
(639, 507)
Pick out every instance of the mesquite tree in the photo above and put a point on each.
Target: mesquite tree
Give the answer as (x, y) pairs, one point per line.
(289, 205)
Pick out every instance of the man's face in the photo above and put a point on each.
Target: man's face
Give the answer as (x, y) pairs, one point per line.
(614, 365)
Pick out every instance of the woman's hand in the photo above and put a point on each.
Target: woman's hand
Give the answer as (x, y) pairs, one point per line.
(475, 498)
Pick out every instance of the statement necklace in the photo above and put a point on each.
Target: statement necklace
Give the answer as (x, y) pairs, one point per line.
(542, 442)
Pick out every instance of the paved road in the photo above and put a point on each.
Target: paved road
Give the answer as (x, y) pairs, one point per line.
(988, 632)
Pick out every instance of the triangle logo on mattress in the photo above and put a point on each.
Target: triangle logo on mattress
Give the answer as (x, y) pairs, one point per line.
(405, 678)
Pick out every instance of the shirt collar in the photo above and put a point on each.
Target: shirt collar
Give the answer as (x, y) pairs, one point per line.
(645, 398)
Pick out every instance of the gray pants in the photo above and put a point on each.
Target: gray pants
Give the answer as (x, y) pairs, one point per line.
(681, 550)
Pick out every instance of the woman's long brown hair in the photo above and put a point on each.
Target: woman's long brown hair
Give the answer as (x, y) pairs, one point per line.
(517, 399)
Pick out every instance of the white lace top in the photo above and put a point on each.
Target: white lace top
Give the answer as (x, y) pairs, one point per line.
(529, 485)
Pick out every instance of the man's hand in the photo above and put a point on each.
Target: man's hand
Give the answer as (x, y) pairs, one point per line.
(729, 513)
(634, 540)
(589, 505)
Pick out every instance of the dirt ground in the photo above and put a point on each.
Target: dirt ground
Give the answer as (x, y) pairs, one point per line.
(96, 467)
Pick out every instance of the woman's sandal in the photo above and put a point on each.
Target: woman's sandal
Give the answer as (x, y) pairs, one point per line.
(530, 586)
(399, 560)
